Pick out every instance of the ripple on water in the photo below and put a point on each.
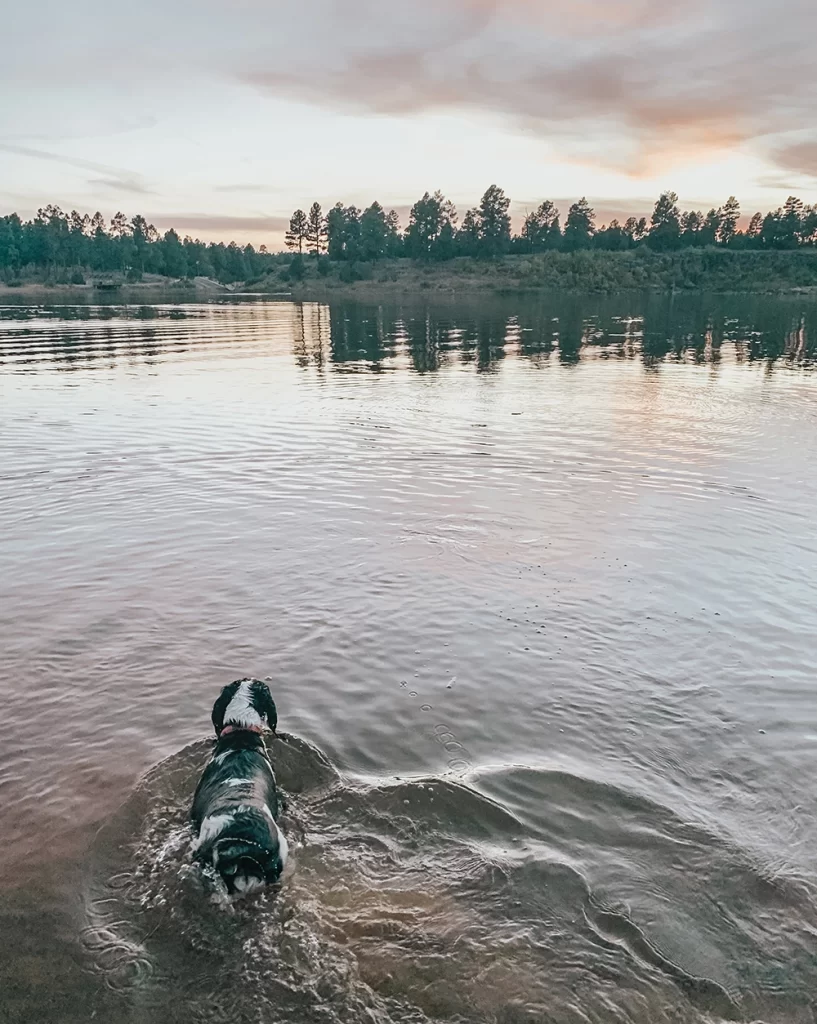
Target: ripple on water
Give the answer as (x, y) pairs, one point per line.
(426, 900)
(577, 530)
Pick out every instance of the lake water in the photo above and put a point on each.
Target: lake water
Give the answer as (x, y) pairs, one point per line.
(533, 582)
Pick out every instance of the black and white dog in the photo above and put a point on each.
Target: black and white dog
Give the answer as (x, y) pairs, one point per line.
(235, 808)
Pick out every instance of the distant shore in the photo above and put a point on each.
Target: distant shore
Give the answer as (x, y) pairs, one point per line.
(714, 271)
(150, 282)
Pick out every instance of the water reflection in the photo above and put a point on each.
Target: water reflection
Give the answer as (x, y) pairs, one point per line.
(543, 594)
(375, 337)
(654, 329)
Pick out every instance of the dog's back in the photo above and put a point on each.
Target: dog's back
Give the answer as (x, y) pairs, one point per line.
(235, 807)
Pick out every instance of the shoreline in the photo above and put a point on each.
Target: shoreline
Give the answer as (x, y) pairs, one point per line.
(197, 286)
(717, 272)
(368, 291)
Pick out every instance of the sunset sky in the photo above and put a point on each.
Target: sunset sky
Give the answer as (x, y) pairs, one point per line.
(219, 118)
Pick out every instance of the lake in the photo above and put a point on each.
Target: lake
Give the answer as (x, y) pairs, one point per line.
(533, 584)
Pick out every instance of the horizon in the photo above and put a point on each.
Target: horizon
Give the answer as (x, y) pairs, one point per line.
(230, 130)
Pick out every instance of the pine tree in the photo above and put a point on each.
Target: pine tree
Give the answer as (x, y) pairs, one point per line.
(730, 215)
(755, 226)
(119, 226)
(467, 238)
(373, 233)
(708, 234)
(635, 229)
(665, 226)
(316, 230)
(791, 222)
(343, 232)
(298, 231)
(540, 229)
(692, 222)
(427, 219)
(394, 241)
(494, 223)
(580, 226)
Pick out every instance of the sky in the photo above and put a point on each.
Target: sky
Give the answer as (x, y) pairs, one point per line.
(220, 117)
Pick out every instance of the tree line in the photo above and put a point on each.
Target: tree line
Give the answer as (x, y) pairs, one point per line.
(435, 233)
(61, 245)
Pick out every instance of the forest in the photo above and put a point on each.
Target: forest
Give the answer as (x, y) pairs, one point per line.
(434, 231)
(75, 248)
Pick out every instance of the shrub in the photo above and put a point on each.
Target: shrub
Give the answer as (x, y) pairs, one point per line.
(296, 270)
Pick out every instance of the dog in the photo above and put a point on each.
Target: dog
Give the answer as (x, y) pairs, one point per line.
(236, 803)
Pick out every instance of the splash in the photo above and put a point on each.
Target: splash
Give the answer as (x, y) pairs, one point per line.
(404, 902)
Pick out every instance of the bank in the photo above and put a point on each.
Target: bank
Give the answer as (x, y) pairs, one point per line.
(701, 270)
(714, 271)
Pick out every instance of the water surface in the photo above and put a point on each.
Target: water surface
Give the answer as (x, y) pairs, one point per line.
(532, 582)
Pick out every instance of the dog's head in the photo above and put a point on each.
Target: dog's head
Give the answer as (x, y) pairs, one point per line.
(245, 704)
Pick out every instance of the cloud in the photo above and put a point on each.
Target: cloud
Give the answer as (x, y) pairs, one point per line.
(242, 188)
(633, 83)
(122, 185)
(800, 157)
(113, 178)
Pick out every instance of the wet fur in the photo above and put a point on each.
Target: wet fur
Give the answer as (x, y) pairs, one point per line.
(236, 805)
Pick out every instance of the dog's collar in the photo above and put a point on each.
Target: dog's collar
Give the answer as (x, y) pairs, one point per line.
(240, 728)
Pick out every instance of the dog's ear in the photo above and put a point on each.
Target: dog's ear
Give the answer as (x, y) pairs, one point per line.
(220, 706)
(265, 705)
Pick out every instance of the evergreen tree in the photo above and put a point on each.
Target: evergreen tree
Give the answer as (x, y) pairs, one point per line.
(445, 249)
(11, 245)
(100, 247)
(755, 226)
(494, 223)
(692, 223)
(343, 232)
(635, 229)
(175, 261)
(579, 227)
(467, 238)
(119, 226)
(352, 242)
(613, 238)
(730, 215)
(808, 225)
(335, 230)
(142, 235)
(665, 226)
(540, 229)
(78, 248)
(235, 265)
(426, 221)
(394, 241)
(298, 230)
(791, 222)
(316, 230)
(708, 235)
(373, 233)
